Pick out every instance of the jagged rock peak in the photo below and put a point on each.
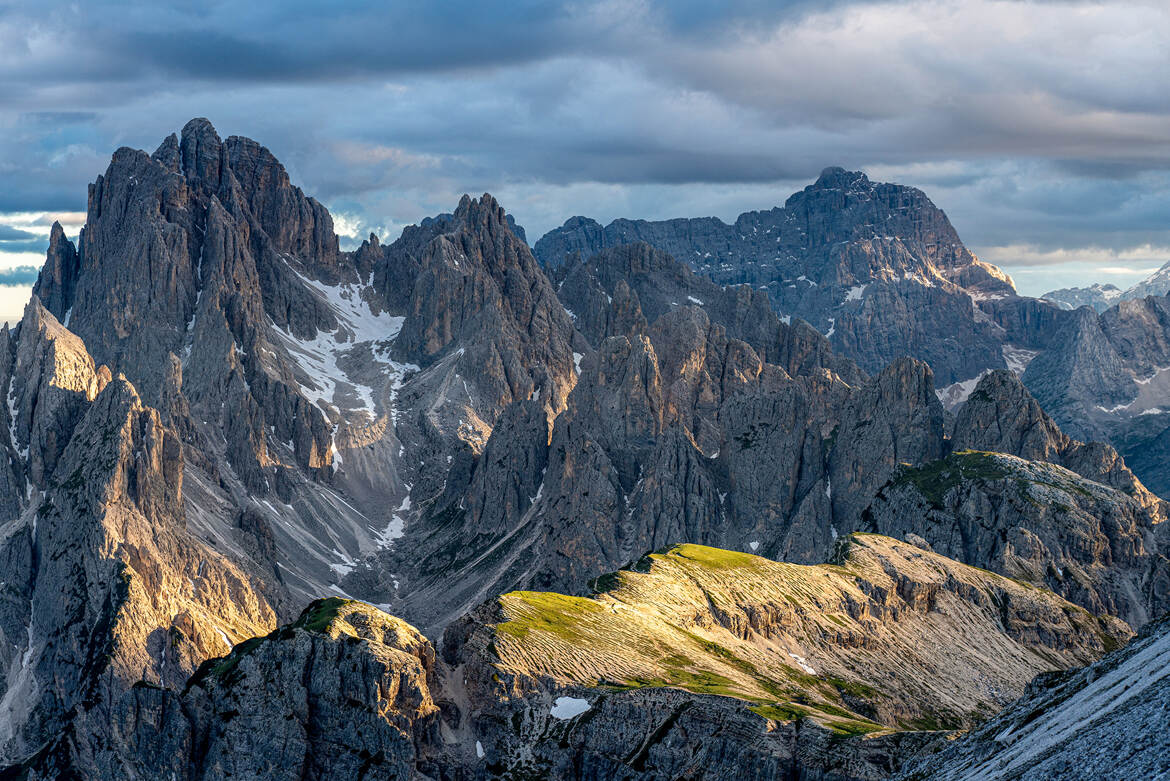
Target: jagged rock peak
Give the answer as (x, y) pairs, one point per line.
(1002, 416)
(484, 209)
(201, 150)
(58, 278)
(57, 234)
(836, 176)
(168, 153)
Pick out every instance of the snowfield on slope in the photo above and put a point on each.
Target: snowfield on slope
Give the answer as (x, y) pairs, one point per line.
(323, 380)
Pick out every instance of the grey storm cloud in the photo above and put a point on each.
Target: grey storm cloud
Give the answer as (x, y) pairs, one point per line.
(1031, 123)
(8, 233)
(18, 276)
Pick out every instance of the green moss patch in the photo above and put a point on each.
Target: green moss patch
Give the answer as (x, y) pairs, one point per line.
(544, 611)
(714, 558)
(936, 479)
(320, 614)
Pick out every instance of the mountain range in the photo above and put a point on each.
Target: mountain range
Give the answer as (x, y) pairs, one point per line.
(1101, 297)
(653, 500)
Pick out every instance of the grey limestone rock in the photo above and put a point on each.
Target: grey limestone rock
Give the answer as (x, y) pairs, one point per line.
(1102, 721)
(858, 260)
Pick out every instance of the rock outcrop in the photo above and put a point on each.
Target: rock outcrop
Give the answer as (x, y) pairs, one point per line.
(1018, 496)
(1037, 522)
(343, 692)
(107, 587)
(1103, 721)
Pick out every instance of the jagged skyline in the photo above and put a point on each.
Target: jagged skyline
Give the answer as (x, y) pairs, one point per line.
(1053, 165)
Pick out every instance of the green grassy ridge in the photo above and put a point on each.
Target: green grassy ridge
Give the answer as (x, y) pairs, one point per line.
(557, 614)
(317, 617)
(684, 659)
(648, 647)
(935, 479)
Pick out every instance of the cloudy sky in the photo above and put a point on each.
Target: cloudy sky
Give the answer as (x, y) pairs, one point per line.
(1042, 128)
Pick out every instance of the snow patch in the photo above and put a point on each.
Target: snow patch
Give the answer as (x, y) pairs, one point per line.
(694, 300)
(804, 665)
(397, 526)
(1017, 358)
(12, 419)
(577, 362)
(358, 327)
(958, 392)
(754, 545)
(479, 749)
(566, 708)
(855, 292)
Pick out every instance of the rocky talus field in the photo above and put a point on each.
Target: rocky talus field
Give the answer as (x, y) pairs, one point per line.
(815, 495)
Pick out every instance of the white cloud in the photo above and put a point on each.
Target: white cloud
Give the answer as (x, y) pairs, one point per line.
(1037, 126)
(12, 301)
(1125, 270)
(40, 223)
(1102, 257)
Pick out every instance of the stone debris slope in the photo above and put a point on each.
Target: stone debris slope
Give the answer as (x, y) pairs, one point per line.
(1107, 720)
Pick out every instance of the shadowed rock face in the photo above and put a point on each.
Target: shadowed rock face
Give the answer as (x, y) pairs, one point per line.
(1017, 496)
(1003, 417)
(862, 262)
(676, 432)
(634, 461)
(881, 272)
(1105, 377)
(646, 284)
(216, 287)
(189, 246)
(111, 588)
(343, 692)
(479, 300)
(1038, 522)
